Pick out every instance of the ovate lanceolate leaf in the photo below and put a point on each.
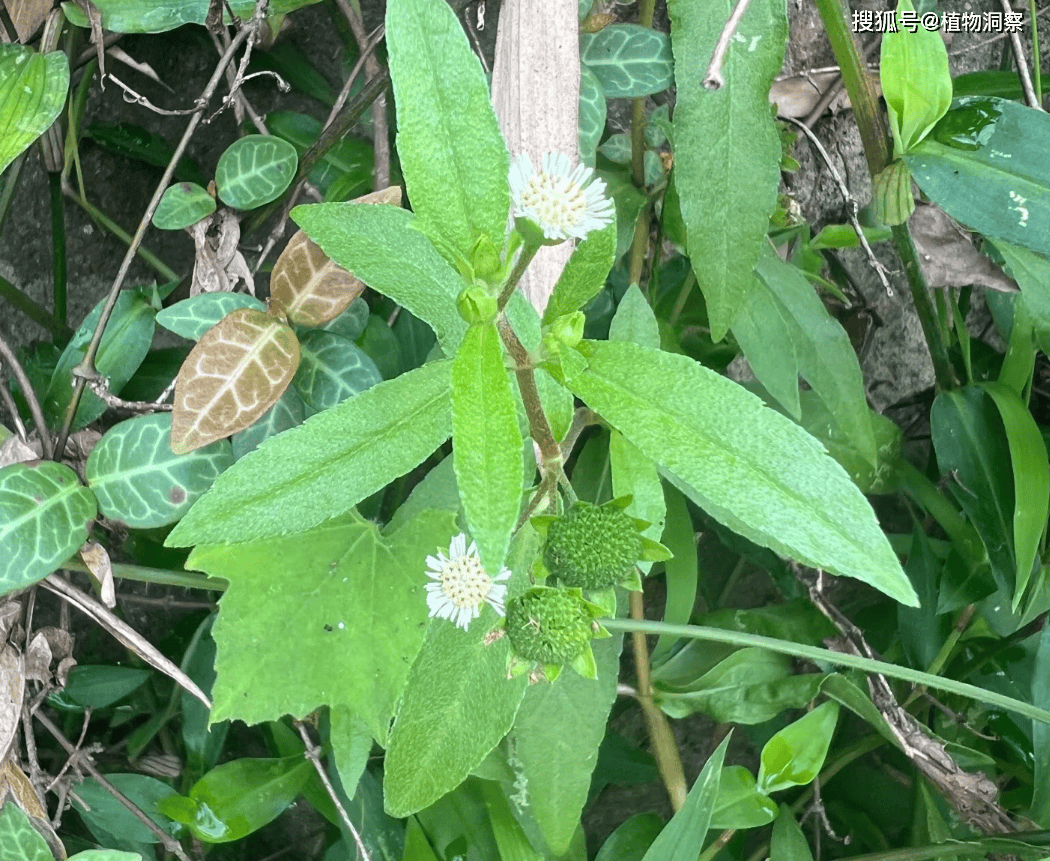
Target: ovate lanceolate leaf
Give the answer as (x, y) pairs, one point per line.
(333, 368)
(32, 91)
(629, 60)
(585, 273)
(455, 162)
(915, 81)
(746, 465)
(382, 247)
(183, 204)
(458, 704)
(44, 517)
(323, 468)
(487, 443)
(350, 599)
(310, 288)
(137, 479)
(124, 345)
(237, 371)
(192, 317)
(985, 165)
(727, 151)
(255, 170)
(147, 16)
(795, 755)
(556, 736)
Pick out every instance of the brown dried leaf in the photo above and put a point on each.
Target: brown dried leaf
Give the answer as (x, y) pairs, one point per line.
(13, 782)
(390, 195)
(947, 256)
(13, 450)
(237, 371)
(797, 95)
(9, 613)
(309, 287)
(28, 16)
(38, 660)
(12, 697)
(219, 266)
(101, 569)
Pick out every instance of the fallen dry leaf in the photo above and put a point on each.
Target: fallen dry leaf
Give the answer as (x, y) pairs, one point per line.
(947, 255)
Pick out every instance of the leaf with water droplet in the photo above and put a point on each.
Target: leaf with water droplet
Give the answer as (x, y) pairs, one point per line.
(236, 372)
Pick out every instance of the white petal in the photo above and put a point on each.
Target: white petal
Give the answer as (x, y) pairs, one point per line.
(456, 548)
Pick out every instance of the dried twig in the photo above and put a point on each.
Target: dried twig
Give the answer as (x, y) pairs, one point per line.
(84, 760)
(247, 32)
(127, 635)
(313, 754)
(1022, 63)
(714, 80)
(99, 386)
(134, 98)
(7, 354)
(851, 205)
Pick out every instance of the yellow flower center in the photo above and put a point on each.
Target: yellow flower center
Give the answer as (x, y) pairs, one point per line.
(556, 201)
(464, 582)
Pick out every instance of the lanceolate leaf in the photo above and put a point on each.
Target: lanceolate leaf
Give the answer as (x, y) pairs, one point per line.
(727, 151)
(487, 443)
(255, 170)
(310, 288)
(382, 247)
(147, 16)
(32, 91)
(454, 160)
(585, 273)
(748, 467)
(192, 317)
(628, 60)
(333, 368)
(350, 599)
(125, 343)
(138, 481)
(556, 736)
(237, 371)
(323, 468)
(458, 704)
(985, 165)
(44, 517)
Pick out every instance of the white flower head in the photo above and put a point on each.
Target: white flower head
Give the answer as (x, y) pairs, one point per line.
(462, 585)
(563, 201)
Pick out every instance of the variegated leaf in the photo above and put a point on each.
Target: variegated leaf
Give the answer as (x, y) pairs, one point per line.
(236, 372)
(311, 288)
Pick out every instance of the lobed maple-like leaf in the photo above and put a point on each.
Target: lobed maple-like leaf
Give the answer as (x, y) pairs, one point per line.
(237, 371)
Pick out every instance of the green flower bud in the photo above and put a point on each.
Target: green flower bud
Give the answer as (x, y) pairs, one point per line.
(550, 626)
(568, 328)
(591, 547)
(476, 305)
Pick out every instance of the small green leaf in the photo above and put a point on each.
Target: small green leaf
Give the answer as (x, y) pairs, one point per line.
(454, 161)
(192, 317)
(101, 686)
(239, 797)
(139, 481)
(33, 90)
(325, 467)
(788, 843)
(683, 837)
(133, 141)
(740, 804)
(147, 16)
(585, 273)
(332, 369)
(795, 755)
(183, 204)
(45, 513)
(628, 60)
(255, 170)
(346, 168)
(916, 83)
(237, 371)
(727, 150)
(634, 320)
(487, 443)
(984, 163)
(747, 466)
(125, 343)
(107, 818)
(19, 840)
(350, 598)
(632, 839)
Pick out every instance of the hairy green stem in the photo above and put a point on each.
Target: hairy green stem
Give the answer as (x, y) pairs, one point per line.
(818, 655)
(528, 251)
(58, 245)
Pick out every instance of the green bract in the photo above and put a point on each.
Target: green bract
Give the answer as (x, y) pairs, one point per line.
(592, 547)
(550, 626)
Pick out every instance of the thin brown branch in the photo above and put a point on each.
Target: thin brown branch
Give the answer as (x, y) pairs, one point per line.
(88, 363)
(7, 354)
